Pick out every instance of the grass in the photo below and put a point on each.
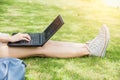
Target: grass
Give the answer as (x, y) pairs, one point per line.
(83, 19)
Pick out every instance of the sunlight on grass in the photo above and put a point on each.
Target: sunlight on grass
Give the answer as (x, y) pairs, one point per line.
(87, 73)
(112, 3)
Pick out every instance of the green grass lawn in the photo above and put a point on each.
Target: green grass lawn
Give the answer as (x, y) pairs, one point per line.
(83, 19)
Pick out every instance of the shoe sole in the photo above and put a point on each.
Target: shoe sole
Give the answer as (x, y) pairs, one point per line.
(107, 38)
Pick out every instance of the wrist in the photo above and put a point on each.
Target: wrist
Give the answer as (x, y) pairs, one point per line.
(10, 39)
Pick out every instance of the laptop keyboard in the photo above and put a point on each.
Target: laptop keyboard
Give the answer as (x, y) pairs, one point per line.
(35, 39)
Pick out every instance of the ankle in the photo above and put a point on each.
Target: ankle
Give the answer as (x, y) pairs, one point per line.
(87, 50)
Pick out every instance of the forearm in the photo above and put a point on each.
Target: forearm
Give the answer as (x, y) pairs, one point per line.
(17, 37)
(5, 38)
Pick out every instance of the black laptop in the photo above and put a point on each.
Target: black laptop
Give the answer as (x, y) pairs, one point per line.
(39, 39)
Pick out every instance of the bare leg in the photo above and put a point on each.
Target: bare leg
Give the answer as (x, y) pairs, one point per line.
(50, 49)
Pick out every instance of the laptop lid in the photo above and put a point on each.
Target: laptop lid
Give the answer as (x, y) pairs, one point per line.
(52, 28)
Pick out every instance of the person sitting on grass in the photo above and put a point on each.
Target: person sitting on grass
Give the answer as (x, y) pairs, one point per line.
(55, 49)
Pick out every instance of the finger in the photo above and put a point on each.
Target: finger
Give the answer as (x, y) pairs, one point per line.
(23, 38)
(27, 36)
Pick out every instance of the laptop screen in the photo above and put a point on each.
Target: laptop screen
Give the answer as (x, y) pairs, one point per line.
(53, 28)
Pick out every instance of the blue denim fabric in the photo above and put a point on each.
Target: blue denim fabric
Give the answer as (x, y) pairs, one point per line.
(12, 69)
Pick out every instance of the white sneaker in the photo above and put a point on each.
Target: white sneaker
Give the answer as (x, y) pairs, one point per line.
(97, 46)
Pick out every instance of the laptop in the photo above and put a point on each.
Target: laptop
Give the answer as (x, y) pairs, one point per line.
(39, 39)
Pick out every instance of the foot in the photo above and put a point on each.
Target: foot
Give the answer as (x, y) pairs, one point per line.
(97, 46)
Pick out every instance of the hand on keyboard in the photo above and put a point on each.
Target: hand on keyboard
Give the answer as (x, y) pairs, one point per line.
(19, 37)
